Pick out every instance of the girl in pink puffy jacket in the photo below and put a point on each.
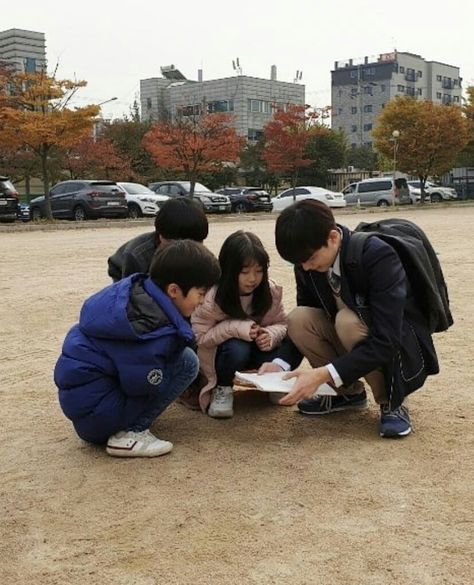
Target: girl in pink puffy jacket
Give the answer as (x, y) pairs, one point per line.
(241, 323)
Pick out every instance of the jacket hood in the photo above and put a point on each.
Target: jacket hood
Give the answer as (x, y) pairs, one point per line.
(106, 314)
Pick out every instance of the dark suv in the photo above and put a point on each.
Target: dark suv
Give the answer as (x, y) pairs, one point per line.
(245, 199)
(211, 202)
(8, 200)
(81, 200)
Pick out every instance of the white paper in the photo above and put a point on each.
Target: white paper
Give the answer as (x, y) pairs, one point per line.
(273, 382)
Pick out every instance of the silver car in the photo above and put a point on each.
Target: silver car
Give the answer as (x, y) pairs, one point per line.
(380, 191)
(211, 202)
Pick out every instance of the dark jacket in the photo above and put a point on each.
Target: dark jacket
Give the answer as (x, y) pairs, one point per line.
(133, 256)
(115, 358)
(398, 341)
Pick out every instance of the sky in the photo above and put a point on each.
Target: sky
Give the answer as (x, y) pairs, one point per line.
(112, 45)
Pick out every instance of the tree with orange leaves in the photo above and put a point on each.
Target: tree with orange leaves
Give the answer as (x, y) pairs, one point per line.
(93, 158)
(37, 117)
(286, 138)
(430, 136)
(193, 144)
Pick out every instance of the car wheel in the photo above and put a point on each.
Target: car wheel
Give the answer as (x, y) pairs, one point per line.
(240, 207)
(134, 211)
(35, 214)
(79, 213)
(436, 198)
(383, 203)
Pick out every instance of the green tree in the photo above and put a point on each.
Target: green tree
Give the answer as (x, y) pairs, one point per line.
(363, 157)
(326, 149)
(430, 136)
(466, 157)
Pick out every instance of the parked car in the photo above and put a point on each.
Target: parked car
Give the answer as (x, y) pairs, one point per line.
(8, 200)
(211, 202)
(379, 192)
(245, 199)
(141, 200)
(23, 213)
(81, 200)
(330, 198)
(436, 193)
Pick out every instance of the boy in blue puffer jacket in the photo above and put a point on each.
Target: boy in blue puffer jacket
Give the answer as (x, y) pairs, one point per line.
(130, 356)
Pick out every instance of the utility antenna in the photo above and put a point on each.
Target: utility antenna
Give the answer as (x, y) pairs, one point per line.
(236, 66)
(298, 76)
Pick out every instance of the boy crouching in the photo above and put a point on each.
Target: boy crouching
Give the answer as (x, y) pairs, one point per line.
(130, 355)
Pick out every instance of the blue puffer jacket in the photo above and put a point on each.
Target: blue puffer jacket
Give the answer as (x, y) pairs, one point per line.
(111, 360)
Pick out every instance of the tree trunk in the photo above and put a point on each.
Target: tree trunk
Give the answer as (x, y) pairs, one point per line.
(45, 177)
(294, 178)
(192, 182)
(422, 189)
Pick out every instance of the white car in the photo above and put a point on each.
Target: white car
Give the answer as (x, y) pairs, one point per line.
(436, 192)
(141, 200)
(330, 198)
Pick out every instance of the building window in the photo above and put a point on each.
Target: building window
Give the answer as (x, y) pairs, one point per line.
(383, 88)
(455, 82)
(420, 74)
(410, 91)
(339, 93)
(353, 74)
(220, 106)
(368, 89)
(419, 91)
(148, 103)
(402, 69)
(254, 134)
(353, 128)
(410, 76)
(259, 106)
(192, 110)
(367, 127)
(369, 71)
(354, 110)
(339, 111)
(439, 95)
(401, 88)
(354, 91)
(455, 98)
(30, 65)
(368, 108)
(438, 78)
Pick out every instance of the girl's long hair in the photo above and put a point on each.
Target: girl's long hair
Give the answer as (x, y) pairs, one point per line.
(238, 250)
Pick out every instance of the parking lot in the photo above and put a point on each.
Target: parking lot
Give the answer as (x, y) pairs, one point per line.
(268, 497)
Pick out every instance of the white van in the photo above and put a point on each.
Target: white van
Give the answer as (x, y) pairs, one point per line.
(379, 191)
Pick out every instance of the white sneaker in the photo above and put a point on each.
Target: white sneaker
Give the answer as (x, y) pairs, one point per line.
(222, 402)
(137, 444)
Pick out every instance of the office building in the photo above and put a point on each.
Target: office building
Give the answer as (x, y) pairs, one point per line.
(25, 49)
(250, 101)
(361, 88)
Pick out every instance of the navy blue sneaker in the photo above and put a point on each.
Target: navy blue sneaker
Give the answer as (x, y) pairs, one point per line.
(394, 423)
(328, 404)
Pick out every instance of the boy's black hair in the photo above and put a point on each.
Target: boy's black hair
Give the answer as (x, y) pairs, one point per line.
(186, 263)
(182, 218)
(303, 228)
(238, 250)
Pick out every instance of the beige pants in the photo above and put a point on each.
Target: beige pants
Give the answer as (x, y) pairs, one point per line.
(322, 341)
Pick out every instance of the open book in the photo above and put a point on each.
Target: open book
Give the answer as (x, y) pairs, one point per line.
(273, 382)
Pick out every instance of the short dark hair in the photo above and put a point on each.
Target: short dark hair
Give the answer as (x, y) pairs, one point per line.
(182, 218)
(303, 228)
(239, 250)
(186, 263)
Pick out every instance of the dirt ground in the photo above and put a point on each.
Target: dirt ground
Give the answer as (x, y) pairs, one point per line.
(268, 497)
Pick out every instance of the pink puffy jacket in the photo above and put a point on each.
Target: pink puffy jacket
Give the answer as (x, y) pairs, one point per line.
(212, 327)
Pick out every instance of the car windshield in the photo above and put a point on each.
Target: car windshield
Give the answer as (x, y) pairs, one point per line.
(136, 189)
(415, 184)
(7, 184)
(197, 187)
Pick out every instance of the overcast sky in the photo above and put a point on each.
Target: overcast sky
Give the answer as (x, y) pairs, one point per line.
(112, 45)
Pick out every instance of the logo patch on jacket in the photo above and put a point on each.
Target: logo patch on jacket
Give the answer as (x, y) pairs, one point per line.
(155, 377)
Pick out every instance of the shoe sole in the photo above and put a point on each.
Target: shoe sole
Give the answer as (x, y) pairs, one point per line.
(395, 435)
(361, 406)
(120, 452)
(221, 414)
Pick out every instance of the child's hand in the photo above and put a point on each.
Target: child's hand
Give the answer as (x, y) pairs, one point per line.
(254, 331)
(263, 340)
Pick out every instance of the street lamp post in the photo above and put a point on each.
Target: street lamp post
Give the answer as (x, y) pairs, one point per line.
(395, 137)
(112, 99)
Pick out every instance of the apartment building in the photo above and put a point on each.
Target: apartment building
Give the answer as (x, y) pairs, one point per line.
(250, 101)
(25, 49)
(361, 88)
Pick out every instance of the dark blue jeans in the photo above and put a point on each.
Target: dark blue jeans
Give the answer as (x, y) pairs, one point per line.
(182, 372)
(237, 355)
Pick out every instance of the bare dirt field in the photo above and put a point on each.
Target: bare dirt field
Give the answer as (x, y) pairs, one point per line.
(268, 497)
